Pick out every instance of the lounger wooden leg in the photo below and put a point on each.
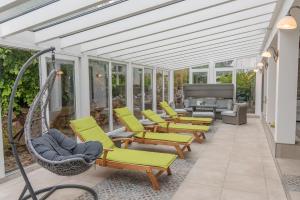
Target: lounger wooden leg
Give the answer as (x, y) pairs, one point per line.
(169, 171)
(179, 151)
(189, 148)
(159, 173)
(153, 180)
(198, 138)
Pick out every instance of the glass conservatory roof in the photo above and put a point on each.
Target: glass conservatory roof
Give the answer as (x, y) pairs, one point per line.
(162, 33)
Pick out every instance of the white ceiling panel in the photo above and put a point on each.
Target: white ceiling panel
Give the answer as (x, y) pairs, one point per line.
(128, 39)
(96, 18)
(164, 19)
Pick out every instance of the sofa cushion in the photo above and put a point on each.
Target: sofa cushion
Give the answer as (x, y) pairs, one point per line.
(209, 101)
(228, 113)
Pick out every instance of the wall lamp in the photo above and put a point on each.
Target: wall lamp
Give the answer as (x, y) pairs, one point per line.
(288, 22)
(268, 54)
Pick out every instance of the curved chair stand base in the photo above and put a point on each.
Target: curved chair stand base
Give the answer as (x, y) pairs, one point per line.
(52, 189)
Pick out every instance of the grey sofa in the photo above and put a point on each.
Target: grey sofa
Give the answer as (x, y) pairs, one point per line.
(221, 104)
(237, 116)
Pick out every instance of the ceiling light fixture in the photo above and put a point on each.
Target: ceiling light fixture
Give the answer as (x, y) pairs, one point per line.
(268, 54)
(288, 22)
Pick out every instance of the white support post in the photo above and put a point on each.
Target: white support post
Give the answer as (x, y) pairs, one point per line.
(129, 84)
(171, 85)
(258, 93)
(110, 106)
(190, 75)
(234, 83)
(286, 86)
(84, 87)
(211, 73)
(2, 166)
(265, 85)
(154, 90)
(271, 91)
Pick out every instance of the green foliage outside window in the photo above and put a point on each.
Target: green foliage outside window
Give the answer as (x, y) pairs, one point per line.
(245, 81)
(11, 60)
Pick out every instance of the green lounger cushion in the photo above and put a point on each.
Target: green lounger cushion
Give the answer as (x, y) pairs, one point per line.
(171, 137)
(149, 114)
(129, 119)
(186, 127)
(139, 157)
(168, 109)
(90, 131)
(202, 119)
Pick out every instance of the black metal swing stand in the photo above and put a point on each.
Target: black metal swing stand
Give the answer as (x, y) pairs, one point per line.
(68, 167)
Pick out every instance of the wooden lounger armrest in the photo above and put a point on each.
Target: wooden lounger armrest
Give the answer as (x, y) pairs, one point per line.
(105, 152)
(123, 139)
(168, 124)
(126, 141)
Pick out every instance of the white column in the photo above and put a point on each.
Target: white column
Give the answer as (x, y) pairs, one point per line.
(286, 86)
(258, 93)
(84, 86)
(211, 73)
(234, 83)
(129, 84)
(110, 96)
(190, 76)
(2, 166)
(154, 90)
(171, 85)
(271, 91)
(265, 85)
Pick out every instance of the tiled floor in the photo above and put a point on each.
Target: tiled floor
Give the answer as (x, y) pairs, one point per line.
(291, 167)
(234, 164)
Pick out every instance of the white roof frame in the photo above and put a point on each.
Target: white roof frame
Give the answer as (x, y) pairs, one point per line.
(44, 14)
(160, 33)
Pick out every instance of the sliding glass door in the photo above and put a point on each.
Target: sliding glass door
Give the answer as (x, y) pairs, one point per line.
(118, 89)
(62, 105)
(148, 88)
(137, 92)
(99, 95)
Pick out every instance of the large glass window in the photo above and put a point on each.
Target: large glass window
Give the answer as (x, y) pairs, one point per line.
(181, 77)
(159, 89)
(200, 67)
(99, 95)
(148, 88)
(166, 86)
(245, 88)
(200, 77)
(228, 63)
(62, 100)
(137, 92)
(118, 89)
(11, 60)
(224, 77)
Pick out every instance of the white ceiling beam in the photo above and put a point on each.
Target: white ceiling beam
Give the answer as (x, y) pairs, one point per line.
(165, 50)
(208, 59)
(44, 14)
(162, 14)
(97, 18)
(201, 52)
(130, 39)
(204, 55)
(6, 4)
(258, 28)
